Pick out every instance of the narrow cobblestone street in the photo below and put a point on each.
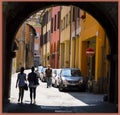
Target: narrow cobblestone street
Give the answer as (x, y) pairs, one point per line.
(52, 100)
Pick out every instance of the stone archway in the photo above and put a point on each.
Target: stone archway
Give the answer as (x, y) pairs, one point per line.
(14, 14)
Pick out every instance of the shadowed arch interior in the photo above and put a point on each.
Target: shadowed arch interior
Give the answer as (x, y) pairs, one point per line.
(15, 13)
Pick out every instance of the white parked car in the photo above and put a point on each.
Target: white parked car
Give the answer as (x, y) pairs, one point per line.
(43, 75)
(55, 77)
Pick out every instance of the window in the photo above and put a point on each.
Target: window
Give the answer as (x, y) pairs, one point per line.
(64, 23)
(54, 47)
(52, 25)
(41, 40)
(69, 17)
(58, 20)
(49, 16)
(73, 12)
(55, 23)
(58, 45)
(78, 12)
(67, 21)
(48, 35)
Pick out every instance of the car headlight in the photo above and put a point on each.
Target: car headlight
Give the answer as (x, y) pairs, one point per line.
(65, 82)
(81, 81)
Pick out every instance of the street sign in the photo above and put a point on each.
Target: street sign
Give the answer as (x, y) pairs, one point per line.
(90, 52)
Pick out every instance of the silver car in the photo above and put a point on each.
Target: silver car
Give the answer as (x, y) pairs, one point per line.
(71, 78)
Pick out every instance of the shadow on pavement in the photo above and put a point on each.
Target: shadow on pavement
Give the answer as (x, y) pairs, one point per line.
(32, 108)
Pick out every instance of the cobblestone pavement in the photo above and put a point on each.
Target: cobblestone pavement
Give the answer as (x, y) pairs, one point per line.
(50, 100)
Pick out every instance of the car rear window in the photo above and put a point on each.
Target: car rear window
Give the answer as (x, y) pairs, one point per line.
(75, 73)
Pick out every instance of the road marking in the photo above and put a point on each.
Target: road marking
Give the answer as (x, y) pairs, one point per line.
(50, 107)
(63, 111)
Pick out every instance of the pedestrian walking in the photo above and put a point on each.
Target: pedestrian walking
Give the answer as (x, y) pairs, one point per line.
(21, 80)
(33, 82)
(48, 73)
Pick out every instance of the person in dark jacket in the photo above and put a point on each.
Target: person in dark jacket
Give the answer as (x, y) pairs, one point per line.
(32, 77)
(48, 73)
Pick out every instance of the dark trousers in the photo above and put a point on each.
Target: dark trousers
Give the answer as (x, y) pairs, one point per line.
(49, 81)
(32, 92)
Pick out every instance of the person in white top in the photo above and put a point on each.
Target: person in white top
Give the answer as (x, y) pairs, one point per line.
(21, 80)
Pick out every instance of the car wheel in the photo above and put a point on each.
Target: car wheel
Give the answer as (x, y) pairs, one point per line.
(55, 85)
(42, 80)
(60, 88)
(82, 89)
(52, 84)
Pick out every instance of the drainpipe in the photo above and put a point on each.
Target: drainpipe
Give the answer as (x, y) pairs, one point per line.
(75, 42)
(46, 45)
(59, 38)
(70, 39)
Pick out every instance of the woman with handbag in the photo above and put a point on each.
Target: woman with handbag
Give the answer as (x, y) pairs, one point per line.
(32, 77)
(21, 80)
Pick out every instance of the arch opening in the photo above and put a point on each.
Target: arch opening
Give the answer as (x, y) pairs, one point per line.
(87, 42)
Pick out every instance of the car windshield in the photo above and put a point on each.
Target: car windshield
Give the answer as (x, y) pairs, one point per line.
(66, 72)
(71, 73)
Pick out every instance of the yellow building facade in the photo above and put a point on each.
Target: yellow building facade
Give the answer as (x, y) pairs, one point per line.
(92, 35)
(45, 50)
(78, 32)
(74, 39)
(65, 37)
